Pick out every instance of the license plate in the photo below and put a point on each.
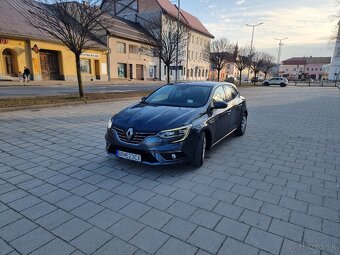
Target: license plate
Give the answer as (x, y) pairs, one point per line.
(129, 156)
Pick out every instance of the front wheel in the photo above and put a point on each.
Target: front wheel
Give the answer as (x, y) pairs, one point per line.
(266, 84)
(243, 126)
(199, 151)
(283, 85)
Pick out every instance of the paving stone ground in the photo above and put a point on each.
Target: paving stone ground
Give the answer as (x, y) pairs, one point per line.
(276, 190)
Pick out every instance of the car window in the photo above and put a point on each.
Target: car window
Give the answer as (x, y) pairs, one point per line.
(234, 92)
(219, 95)
(180, 95)
(228, 93)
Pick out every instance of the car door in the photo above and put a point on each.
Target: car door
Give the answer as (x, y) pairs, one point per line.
(233, 102)
(220, 119)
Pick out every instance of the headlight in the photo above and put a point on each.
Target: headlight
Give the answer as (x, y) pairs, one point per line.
(180, 133)
(109, 124)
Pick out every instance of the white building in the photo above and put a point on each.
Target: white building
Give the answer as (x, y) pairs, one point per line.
(193, 64)
(334, 70)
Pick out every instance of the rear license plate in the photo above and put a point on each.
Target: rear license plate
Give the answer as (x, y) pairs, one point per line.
(129, 156)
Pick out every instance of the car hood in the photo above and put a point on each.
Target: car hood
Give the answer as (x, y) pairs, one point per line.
(151, 118)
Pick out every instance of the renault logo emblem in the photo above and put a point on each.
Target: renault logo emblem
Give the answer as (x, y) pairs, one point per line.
(129, 134)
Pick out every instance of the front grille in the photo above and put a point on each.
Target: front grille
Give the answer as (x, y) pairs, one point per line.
(137, 137)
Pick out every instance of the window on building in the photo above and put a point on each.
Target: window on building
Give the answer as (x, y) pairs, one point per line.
(184, 71)
(122, 70)
(85, 66)
(312, 69)
(192, 73)
(228, 66)
(196, 55)
(193, 39)
(192, 55)
(133, 49)
(320, 69)
(206, 73)
(197, 40)
(184, 54)
(201, 41)
(199, 72)
(307, 68)
(121, 47)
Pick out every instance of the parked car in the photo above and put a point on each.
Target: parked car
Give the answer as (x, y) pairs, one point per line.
(257, 79)
(177, 123)
(283, 82)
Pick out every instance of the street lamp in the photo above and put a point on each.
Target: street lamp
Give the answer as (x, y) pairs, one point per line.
(252, 41)
(280, 45)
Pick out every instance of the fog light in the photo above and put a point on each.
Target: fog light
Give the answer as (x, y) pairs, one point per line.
(173, 156)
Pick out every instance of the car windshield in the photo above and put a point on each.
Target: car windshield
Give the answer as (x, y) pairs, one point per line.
(180, 95)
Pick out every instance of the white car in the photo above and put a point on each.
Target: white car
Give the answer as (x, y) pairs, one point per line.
(283, 82)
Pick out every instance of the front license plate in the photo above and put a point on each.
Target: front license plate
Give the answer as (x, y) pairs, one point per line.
(129, 156)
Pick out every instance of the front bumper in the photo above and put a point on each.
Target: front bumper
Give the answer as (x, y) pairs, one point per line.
(153, 149)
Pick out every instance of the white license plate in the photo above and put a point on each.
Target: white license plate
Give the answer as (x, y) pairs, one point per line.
(129, 156)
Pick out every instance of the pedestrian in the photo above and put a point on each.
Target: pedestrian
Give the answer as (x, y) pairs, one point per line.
(27, 74)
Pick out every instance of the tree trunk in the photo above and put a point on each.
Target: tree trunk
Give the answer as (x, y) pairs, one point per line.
(240, 77)
(218, 74)
(265, 76)
(168, 73)
(80, 82)
(255, 75)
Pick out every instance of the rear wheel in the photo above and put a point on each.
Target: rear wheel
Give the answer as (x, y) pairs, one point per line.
(199, 151)
(283, 85)
(243, 126)
(266, 84)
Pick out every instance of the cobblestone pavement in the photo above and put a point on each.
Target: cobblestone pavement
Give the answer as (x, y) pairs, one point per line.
(273, 191)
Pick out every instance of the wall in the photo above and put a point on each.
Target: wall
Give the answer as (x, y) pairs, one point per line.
(25, 56)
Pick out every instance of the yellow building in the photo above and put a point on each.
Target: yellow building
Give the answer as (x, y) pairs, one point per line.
(22, 45)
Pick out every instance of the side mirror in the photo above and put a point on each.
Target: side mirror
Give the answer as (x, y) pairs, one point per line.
(220, 105)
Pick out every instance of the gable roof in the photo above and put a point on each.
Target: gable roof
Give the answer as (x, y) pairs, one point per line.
(13, 23)
(123, 28)
(166, 6)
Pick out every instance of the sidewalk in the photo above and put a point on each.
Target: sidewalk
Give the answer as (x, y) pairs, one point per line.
(85, 83)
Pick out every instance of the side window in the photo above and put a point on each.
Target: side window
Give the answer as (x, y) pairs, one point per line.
(234, 92)
(228, 93)
(219, 95)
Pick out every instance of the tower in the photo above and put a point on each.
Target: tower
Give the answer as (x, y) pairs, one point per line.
(334, 70)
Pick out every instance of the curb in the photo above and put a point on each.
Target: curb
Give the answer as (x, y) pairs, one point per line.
(38, 107)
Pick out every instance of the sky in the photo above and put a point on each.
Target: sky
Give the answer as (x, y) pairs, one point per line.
(310, 25)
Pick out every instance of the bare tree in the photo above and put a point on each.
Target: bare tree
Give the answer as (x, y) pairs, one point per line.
(219, 54)
(256, 63)
(242, 60)
(162, 40)
(71, 23)
(267, 64)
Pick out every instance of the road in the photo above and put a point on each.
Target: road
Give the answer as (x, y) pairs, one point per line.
(20, 91)
(274, 190)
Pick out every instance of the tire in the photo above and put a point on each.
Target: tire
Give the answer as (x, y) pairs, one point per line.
(199, 151)
(243, 126)
(266, 84)
(283, 85)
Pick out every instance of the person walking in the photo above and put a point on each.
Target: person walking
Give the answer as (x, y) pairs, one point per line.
(27, 74)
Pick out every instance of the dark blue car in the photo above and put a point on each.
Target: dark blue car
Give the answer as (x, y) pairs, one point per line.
(177, 123)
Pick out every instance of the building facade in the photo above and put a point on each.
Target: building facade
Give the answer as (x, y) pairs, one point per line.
(193, 65)
(298, 68)
(22, 45)
(334, 69)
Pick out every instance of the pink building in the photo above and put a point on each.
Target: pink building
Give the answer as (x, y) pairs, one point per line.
(304, 67)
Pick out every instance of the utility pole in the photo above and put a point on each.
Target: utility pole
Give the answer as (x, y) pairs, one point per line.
(177, 39)
(280, 45)
(251, 44)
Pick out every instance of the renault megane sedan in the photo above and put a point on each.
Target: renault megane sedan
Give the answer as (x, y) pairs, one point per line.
(177, 123)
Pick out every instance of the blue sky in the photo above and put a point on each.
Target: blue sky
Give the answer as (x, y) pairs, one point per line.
(308, 24)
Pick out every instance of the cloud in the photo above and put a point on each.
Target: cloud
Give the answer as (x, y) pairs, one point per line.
(239, 2)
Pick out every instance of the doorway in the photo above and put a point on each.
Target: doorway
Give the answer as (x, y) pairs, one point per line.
(49, 63)
(131, 71)
(139, 72)
(8, 58)
(97, 69)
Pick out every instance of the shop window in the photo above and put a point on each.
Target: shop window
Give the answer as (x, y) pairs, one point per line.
(121, 47)
(85, 66)
(122, 70)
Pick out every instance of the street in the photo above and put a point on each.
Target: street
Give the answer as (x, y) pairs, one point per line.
(20, 91)
(275, 190)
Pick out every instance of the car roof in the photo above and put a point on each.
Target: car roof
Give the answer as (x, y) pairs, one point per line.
(202, 83)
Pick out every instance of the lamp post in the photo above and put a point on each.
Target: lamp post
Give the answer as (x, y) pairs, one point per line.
(252, 41)
(177, 39)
